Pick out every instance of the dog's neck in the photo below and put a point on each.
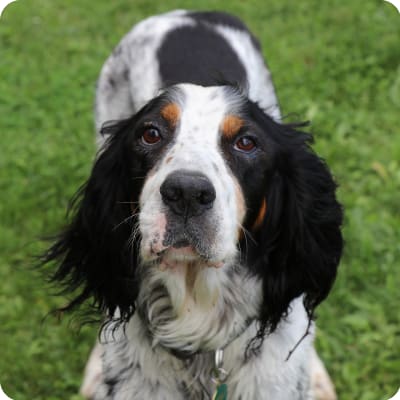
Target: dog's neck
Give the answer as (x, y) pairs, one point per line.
(217, 307)
(133, 344)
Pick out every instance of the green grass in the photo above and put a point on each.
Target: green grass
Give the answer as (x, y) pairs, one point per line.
(336, 63)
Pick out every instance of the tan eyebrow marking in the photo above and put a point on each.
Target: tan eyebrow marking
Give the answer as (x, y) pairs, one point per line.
(171, 113)
(231, 125)
(261, 215)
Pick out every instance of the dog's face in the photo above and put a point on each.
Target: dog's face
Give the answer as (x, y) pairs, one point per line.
(193, 201)
(204, 213)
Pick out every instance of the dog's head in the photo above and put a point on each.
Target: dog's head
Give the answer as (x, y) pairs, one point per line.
(201, 196)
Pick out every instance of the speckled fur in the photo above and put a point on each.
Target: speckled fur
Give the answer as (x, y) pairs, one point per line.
(135, 368)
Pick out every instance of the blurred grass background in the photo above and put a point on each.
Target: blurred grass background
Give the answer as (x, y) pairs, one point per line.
(335, 63)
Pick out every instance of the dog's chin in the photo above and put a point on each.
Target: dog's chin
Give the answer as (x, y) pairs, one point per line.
(175, 256)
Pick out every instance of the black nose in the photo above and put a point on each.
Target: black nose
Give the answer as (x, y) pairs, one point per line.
(187, 193)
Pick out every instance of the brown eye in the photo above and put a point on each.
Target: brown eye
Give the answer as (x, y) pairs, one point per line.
(245, 144)
(151, 136)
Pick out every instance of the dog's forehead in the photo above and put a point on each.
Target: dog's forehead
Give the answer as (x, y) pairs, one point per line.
(203, 110)
(204, 99)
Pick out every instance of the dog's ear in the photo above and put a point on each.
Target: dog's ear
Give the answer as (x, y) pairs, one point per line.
(300, 241)
(96, 252)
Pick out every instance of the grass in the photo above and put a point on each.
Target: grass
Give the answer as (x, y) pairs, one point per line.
(336, 63)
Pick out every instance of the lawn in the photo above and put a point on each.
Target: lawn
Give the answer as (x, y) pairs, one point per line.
(335, 63)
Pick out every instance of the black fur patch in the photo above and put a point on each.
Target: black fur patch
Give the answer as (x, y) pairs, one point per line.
(220, 18)
(199, 55)
(296, 251)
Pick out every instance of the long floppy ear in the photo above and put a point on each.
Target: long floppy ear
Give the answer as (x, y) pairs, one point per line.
(300, 238)
(95, 253)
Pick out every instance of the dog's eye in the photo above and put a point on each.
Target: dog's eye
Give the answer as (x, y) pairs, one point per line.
(151, 135)
(245, 144)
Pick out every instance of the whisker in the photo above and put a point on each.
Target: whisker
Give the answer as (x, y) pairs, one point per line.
(134, 234)
(127, 219)
(128, 202)
(247, 234)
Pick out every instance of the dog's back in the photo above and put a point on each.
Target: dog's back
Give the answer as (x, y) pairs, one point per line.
(204, 48)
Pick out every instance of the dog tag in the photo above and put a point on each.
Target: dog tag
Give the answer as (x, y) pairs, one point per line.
(221, 393)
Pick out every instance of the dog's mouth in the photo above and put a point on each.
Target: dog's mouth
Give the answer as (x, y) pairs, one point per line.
(184, 254)
(174, 243)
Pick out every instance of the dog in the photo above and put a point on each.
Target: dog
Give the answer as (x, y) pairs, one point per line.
(208, 231)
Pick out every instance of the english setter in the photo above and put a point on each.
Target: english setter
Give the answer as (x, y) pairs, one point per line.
(208, 230)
